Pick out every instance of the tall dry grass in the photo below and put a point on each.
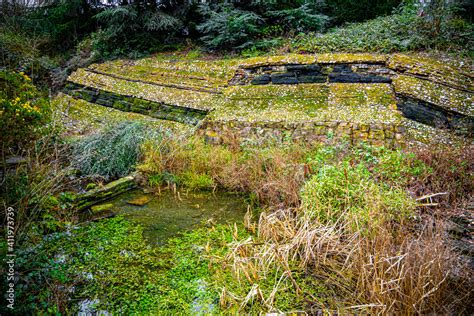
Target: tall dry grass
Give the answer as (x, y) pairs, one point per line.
(275, 175)
(400, 263)
(396, 272)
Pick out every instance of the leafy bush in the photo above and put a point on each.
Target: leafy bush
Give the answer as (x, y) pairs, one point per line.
(301, 19)
(342, 11)
(131, 28)
(350, 192)
(113, 152)
(23, 111)
(195, 181)
(20, 53)
(227, 27)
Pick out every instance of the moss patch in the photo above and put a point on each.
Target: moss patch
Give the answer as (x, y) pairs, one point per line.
(364, 103)
(152, 92)
(277, 60)
(82, 117)
(206, 74)
(432, 70)
(443, 96)
(351, 58)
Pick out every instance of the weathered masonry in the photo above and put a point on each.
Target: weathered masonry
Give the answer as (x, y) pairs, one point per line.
(381, 99)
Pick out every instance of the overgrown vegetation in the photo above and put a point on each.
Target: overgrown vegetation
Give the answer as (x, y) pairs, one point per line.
(355, 242)
(82, 31)
(402, 31)
(113, 152)
(331, 228)
(23, 110)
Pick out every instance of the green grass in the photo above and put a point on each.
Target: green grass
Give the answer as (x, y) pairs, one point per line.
(345, 193)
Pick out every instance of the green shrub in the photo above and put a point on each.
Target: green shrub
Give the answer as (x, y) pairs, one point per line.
(163, 178)
(349, 195)
(113, 152)
(23, 111)
(134, 28)
(300, 19)
(356, 11)
(228, 28)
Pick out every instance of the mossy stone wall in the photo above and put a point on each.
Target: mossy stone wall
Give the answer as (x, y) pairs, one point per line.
(381, 134)
(137, 105)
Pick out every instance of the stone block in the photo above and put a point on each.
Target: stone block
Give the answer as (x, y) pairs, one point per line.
(312, 79)
(377, 134)
(284, 78)
(261, 80)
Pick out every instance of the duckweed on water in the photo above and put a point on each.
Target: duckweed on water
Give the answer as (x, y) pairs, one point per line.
(110, 262)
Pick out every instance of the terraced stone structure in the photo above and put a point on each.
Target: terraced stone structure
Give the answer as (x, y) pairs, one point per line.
(381, 99)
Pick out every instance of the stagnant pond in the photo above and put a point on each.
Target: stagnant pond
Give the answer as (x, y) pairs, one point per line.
(168, 213)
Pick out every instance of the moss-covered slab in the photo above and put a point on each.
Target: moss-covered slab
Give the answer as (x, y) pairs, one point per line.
(432, 70)
(152, 92)
(294, 90)
(195, 74)
(340, 58)
(446, 97)
(278, 60)
(114, 188)
(270, 103)
(417, 133)
(361, 103)
(81, 117)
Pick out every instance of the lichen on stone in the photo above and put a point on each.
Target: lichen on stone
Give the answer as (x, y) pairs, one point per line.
(440, 95)
(82, 117)
(340, 58)
(432, 70)
(352, 95)
(278, 60)
(185, 73)
(366, 103)
(152, 92)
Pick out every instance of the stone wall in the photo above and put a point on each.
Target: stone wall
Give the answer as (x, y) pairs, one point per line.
(313, 73)
(137, 105)
(385, 134)
(425, 91)
(435, 116)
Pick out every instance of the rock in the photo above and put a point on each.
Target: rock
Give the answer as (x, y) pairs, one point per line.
(312, 79)
(433, 115)
(264, 79)
(14, 161)
(85, 200)
(96, 209)
(140, 201)
(303, 68)
(284, 78)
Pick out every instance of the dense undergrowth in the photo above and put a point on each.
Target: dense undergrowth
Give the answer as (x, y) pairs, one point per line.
(402, 31)
(49, 42)
(335, 228)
